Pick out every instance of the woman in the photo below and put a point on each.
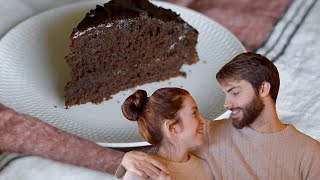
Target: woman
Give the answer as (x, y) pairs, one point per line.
(169, 119)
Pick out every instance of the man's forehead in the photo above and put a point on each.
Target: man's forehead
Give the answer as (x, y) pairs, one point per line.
(230, 82)
(228, 85)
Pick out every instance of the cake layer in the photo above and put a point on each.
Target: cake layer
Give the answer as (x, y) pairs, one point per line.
(124, 53)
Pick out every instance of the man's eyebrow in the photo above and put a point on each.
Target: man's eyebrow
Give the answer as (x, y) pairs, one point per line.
(232, 88)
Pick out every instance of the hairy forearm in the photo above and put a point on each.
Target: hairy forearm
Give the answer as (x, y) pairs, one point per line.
(28, 135)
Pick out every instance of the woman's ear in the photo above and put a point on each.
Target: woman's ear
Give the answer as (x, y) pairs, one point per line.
(264, 89)
(171, 128)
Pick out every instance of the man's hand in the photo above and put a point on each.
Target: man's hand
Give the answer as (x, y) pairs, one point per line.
(144, 165)
(164, 176)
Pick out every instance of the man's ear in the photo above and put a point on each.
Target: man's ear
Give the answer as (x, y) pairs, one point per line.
(264, 89)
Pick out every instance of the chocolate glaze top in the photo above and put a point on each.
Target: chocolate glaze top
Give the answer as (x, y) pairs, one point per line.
(120, 10)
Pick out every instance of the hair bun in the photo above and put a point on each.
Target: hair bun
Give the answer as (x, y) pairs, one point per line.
(133, 105)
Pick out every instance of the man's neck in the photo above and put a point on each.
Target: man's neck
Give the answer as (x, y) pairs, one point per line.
(268, 122)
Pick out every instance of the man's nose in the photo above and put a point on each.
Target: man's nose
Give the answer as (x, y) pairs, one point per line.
(227, 103)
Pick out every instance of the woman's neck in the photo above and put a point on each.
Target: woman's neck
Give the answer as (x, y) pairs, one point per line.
(173, 154)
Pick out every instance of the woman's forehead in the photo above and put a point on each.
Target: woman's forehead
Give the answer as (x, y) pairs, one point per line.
(189, 102)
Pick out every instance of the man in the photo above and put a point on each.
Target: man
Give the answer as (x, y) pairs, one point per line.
(253, 143)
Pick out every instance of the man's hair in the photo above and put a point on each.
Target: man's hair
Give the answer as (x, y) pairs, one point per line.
(253, 68)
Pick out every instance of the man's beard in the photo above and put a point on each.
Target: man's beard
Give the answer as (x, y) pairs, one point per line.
(250, 112)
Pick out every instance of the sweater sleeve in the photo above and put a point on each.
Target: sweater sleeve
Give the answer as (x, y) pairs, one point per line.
(120, 172)
(132, 176)
(311, 169)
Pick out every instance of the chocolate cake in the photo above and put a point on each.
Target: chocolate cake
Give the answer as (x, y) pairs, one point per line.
(126, 43)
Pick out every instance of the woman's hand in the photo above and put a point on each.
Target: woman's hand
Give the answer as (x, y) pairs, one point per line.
(144, 165)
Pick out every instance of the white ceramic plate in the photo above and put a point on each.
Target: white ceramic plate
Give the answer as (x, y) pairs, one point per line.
(33, 74)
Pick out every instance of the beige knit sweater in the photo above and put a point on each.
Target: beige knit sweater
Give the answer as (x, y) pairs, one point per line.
(194, 168)
(246, 154)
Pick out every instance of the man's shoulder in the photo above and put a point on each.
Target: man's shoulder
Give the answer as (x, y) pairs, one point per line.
(219, 127)
(308, 141)
(220, 123)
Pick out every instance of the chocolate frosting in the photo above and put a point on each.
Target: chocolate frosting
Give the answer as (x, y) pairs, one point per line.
(116, 10)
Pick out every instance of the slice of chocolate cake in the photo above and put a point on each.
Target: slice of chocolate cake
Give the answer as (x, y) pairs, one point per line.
(123, 44)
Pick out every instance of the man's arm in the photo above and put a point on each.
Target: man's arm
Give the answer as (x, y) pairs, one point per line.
(311, 167)
(28, 135)
(133, 176)
(143, 165)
